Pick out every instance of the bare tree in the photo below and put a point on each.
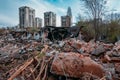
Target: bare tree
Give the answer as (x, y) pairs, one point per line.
(95, 8)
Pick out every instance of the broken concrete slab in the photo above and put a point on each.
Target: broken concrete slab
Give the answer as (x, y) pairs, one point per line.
(98, 51)
(74, 65)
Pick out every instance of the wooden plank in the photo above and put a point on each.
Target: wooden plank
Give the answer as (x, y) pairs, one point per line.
(22, 68)
(26, 64)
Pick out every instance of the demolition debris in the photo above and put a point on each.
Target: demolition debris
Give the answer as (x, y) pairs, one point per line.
(57, 54)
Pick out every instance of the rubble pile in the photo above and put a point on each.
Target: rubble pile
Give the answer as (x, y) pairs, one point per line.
(14, 53)
(69, 59)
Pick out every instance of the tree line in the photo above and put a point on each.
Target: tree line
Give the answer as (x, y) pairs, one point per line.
(99, 25)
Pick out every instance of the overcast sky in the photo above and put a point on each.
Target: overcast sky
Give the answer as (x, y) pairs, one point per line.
(9, 9)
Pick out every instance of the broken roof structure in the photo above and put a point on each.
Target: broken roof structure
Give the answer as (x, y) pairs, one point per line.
(60, 33)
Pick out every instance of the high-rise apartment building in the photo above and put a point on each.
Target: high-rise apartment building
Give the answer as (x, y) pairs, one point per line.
(49, 19)
(66, 21)
(26, 17)
(38, 22)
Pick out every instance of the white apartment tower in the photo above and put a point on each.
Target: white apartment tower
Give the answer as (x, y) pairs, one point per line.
(26, 17)
(38, 22)
(49, 19)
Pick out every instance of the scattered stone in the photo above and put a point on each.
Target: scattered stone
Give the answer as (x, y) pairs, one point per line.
(98, 51)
